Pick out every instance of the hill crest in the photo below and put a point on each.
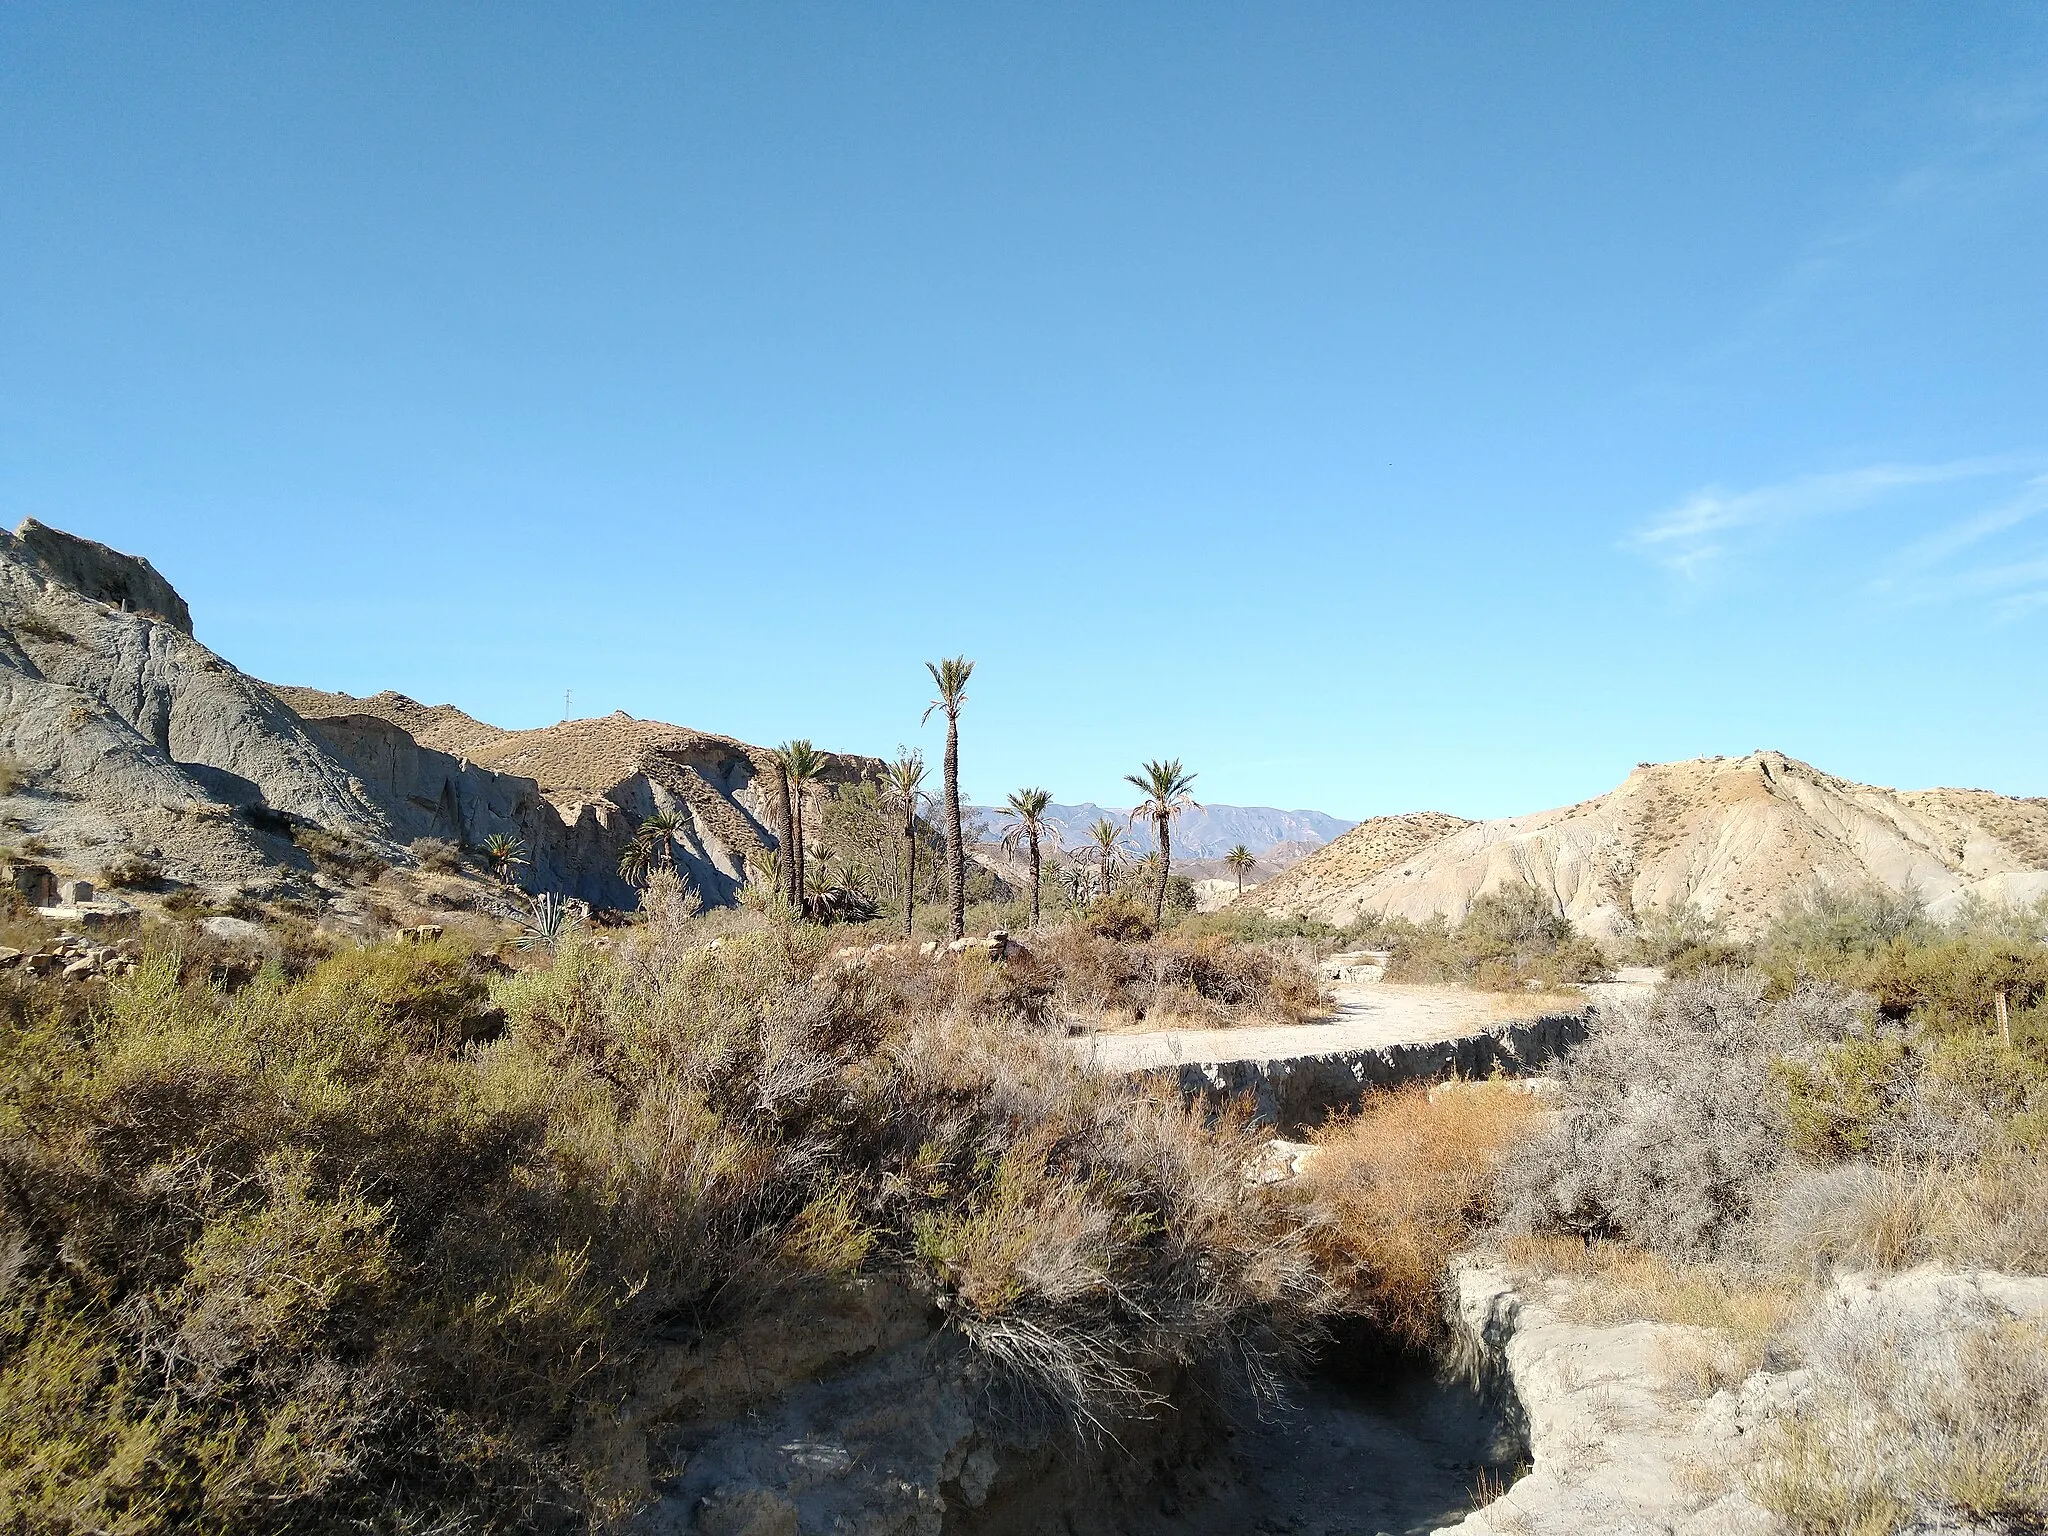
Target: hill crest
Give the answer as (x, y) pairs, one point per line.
(1732, 836)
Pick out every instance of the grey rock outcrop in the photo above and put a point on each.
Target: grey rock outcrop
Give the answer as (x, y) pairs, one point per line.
(129, 737)
(92, 570)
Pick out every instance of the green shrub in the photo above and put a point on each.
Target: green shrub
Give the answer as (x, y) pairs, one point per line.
(341, 1253)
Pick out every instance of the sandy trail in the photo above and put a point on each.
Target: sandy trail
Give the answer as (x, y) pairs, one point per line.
(1367, 1016)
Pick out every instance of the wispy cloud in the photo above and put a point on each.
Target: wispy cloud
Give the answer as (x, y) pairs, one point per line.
(1994, 557)
(1698, 535)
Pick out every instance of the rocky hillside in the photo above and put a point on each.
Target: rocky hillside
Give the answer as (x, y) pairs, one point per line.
(1733, 836)
(125, 739)
(1325, 876)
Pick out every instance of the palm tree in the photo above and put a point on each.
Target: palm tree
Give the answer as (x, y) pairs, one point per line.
(905, 779)
(805, 765)
(505, 854)
(1165, 787)
(654, 842)
(1029, 806)
(951, 677)
(1107, 837)
(1240, 860)
(785, 828)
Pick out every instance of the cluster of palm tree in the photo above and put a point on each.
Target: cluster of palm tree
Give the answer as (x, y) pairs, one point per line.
(799, 766)
(653, 846)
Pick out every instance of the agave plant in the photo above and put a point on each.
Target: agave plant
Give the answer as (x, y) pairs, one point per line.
(549, 919)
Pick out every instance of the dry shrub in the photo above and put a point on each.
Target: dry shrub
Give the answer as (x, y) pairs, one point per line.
(438, 854)
(1396, 1189)
(1918, 1418)
(1211, 979)
(132, 872)
(1673, 1129)
(1991, 1214)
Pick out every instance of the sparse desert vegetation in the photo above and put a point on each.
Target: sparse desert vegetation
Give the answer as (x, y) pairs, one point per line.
(363, 1247)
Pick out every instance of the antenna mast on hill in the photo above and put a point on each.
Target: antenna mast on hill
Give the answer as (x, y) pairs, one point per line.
(565, 703)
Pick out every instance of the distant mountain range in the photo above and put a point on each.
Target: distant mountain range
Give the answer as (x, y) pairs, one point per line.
(1205, 833)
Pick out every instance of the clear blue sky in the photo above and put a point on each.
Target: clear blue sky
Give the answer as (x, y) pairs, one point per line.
(1377, 406)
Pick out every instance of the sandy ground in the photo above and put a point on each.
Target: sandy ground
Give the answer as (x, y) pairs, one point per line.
(1367, 1016)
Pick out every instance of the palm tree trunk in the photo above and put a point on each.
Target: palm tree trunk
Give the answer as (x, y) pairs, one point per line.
(1034, 879)
(786, 830)
(956, 853)
(1105, 872)
(909, 872)
(799, 850)
(1165, 866)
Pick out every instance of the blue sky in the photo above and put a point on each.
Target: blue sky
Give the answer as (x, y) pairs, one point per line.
(1377, 406)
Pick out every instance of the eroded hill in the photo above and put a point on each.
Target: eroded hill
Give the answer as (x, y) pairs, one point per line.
(128, 739)
(1732, 836)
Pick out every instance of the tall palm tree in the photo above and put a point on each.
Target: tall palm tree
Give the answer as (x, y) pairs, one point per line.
(505, 854)
(1029, 806)
(905, 779)
(1240, 861)
(653, 844)
(805, 765)
(785, 825)
(1165, 787)
(1107, 837)
(951, 677)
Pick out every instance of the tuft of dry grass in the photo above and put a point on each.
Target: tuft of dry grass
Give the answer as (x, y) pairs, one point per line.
(1992, 1214)
(1399, 1187)
(1917, 1419)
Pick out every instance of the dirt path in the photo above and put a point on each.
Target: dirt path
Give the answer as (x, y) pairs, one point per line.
(1367, 1016)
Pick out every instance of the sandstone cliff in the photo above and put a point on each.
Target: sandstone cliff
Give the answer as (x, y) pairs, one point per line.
(126, 737)
(1733, 836)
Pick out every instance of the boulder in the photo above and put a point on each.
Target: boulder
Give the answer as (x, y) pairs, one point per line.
(73, 893)
(38, 887)
(236, 930)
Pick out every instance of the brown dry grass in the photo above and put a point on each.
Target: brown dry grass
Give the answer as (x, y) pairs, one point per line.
(1991, 1214)
(1399, 1187)
(1739, 1314)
